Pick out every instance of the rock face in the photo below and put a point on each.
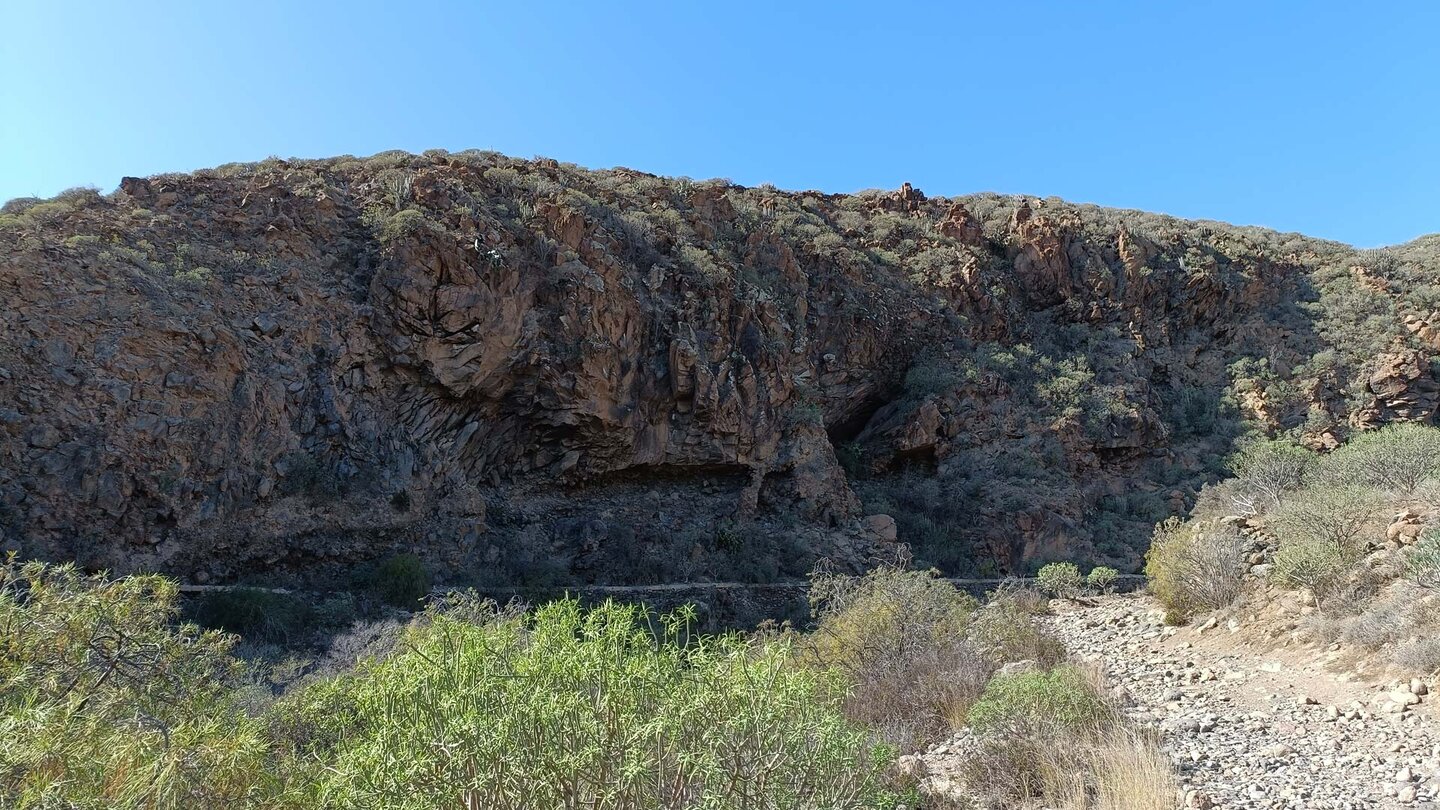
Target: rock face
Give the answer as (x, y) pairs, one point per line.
(514, 367)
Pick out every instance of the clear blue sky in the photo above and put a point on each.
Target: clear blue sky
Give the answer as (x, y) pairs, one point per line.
(1317, 117)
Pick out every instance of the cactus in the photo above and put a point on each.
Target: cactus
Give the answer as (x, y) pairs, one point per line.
(399, 185)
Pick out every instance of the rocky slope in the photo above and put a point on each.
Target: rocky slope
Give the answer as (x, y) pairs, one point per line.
(525, 371)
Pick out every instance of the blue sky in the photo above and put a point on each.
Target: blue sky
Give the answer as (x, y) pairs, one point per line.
(1319, 117)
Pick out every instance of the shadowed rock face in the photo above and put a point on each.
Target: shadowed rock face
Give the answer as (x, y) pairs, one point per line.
(525, 370)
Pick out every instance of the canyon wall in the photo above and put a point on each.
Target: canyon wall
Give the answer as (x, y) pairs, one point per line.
(527, 372)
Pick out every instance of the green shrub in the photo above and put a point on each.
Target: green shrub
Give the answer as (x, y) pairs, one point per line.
(881, 614)
(1337, 518)
(1422, 563)
(256, 614)
(104, 702)
(607, 708)
(197, 276)
(1102, 578)
(1060, 698)
(1397, 458)
(1321, 567)
(390, 227)
(1060, 580)
(402, 581)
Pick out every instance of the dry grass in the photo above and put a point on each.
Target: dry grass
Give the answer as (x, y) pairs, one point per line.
(1132, 773)
(1401, 624)
(1090, 761)
(1121, 768)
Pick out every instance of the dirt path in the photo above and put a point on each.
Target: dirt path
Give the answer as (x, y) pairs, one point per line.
(1255, 728)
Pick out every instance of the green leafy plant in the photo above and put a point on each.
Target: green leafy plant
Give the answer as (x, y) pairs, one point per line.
(612, 707)
(1060, 579)
(1423, 561)
(106, 702)
(1062, 697)
(1102, 578)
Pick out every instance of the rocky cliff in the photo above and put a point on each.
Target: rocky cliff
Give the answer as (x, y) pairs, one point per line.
(530, 372)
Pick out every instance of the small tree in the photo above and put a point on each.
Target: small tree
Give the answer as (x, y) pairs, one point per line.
(1336, 517)
(1265, 472)
(1322, 535)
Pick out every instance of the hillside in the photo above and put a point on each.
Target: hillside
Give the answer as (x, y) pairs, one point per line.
(531, 373)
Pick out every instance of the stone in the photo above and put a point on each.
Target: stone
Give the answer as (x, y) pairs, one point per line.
(883, 527)
(1404, 697)
(266, 324)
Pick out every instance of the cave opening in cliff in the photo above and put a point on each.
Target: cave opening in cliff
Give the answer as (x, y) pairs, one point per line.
(849, 426)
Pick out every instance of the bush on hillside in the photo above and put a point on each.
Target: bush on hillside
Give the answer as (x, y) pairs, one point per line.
(1422, 564)
(1308, 564)
(1194, 568)
(1117, 768)
(1396, 458)
(1265, 472)
(1335, 519)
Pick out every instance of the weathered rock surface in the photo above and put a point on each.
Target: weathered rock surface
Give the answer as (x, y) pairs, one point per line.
(505, 365)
